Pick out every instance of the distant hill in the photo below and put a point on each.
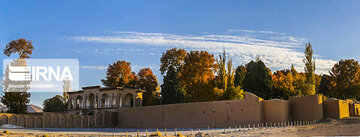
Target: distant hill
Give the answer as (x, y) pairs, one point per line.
(30, 108)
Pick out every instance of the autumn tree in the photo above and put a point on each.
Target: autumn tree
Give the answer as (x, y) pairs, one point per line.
(119, 74)
(309, 71)
(346, 77)
(173, 57)
(55, 104)
(148, 82)
(225, 88)
(16, 100)
(222, 75)
(197, 75)
(258, 79)
(171, 90)
(283, 86)
(20, 46)
(171, 63)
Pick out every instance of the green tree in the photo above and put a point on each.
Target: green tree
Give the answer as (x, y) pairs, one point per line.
(345, 76)
(222, 76)
(240, 73)
(171, 90)
(16, 102)
(258, 79)
(309, 71)
(55, 104)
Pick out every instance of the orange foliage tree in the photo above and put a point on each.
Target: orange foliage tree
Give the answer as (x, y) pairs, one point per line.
(173, 57)
(148, 82)
(197, 75)
(119, 74)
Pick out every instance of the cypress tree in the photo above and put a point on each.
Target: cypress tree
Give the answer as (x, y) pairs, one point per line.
(258, 79)
(171, 89)
(240, 73)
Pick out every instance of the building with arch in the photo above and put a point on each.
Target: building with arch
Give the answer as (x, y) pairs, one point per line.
(93, 98)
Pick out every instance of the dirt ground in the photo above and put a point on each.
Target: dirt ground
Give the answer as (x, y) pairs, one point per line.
(327, 127)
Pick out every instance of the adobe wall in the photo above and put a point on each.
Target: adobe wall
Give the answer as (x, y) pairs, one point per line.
(357, 109)
(306, 108)
(276, 111)
(331, 108)
(344, 109)
(199, 114)
(337, 109)
(57, 120)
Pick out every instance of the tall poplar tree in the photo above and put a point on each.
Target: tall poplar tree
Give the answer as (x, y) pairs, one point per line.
(309, 71)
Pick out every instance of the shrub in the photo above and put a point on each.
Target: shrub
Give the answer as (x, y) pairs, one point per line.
(6, 132)
(179, 135)
(156, 134)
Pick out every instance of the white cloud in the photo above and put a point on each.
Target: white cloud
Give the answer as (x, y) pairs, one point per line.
(277, 50)
(94, 67)
(254, 31)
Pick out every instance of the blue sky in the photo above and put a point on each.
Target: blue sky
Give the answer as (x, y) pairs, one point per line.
(101, 32)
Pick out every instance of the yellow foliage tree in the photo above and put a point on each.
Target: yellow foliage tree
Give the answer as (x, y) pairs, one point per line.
(197, 75)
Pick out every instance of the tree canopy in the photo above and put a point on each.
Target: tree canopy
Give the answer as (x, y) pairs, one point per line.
(16, 102)
(171, 90)
(21, 46)
(173, 57)
(197, 75)
(309, 71)
(55, 104)
(148, 81)
(345, 79)
(119, 74)
(258, 79)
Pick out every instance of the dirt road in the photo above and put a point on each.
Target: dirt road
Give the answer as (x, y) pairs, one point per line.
(328, 127)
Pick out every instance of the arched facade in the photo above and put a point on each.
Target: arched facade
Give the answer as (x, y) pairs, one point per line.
(91, 98)
(56, 120)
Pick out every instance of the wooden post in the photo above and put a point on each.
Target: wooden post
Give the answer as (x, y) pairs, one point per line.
(146, 132)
